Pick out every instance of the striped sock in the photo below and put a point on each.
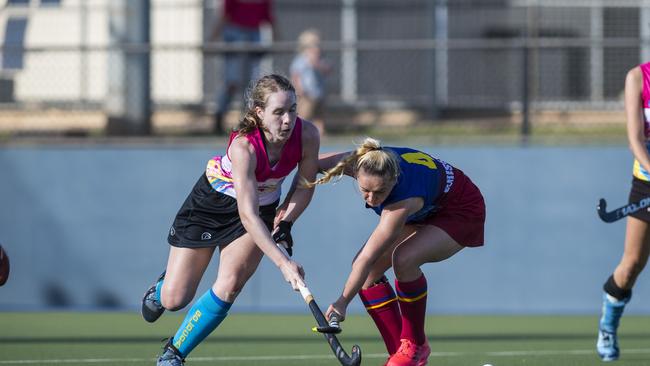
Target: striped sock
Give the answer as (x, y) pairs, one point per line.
(204, 317)
(413, 305)
(381, 303)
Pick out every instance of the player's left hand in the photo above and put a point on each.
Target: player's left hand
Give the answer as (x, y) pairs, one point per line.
(338, 308)
(282, 235)
(280, 213)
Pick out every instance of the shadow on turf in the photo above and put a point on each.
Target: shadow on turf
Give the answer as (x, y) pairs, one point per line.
(302, 339)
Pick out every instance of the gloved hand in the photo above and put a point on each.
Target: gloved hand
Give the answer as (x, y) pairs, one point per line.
(282, 235)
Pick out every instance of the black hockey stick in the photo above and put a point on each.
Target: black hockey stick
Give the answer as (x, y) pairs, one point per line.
(329, 329)
(621, 212)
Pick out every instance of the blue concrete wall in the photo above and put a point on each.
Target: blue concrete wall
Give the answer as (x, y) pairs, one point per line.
(86, 227)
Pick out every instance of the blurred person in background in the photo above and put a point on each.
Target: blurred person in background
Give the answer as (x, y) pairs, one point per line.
(239, 21)
(428, 211)
(308, 70)
(618, 287)
(232, 207)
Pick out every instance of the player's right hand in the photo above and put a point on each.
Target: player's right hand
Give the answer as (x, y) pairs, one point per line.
(294, 274)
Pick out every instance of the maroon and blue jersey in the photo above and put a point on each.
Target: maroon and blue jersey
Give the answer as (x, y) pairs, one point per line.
(421, 175)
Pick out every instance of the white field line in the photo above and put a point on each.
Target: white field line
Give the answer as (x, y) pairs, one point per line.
(576, 352)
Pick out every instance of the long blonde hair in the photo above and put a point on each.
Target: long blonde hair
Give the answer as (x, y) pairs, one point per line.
(256, 96)
(369, 156)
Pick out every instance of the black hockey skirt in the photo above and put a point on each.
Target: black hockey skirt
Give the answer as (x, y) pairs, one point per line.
(640, 189)
(209, 218)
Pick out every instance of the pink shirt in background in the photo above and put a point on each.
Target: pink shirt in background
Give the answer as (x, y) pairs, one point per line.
(248, 13)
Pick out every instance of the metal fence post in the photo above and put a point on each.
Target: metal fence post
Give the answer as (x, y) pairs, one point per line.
(525, 94)
(128, 103)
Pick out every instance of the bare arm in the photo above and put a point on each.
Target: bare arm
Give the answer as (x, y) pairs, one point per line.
(635, 123)
(295, 80)
(327, 161)
(272, 21)
(299, 196)
(243, 172)
(219, 23)
(391, 223)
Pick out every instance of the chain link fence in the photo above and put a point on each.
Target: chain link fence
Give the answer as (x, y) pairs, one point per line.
(437, 58)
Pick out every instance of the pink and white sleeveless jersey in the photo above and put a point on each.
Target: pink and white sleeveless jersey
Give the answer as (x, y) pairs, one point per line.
(638, 170)
(269, 178)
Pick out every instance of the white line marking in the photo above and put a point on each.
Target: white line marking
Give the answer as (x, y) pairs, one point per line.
(577, 352)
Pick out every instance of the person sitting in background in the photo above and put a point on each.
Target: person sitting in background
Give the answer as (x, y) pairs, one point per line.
(308, 70)
(618, 287)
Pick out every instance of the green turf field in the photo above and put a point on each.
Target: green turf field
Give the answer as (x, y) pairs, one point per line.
(260, 339)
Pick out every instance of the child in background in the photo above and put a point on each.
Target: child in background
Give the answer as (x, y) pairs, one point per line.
(308, 70)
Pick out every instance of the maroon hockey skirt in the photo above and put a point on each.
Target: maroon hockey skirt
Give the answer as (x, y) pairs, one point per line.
(462, 213)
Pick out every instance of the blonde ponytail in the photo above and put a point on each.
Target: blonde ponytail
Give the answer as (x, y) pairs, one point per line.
(336, 172)
(370, 157)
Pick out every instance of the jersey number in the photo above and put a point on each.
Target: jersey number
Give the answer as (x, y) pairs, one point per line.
(420, 158)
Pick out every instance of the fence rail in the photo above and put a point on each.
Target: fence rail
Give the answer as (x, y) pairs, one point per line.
(424, 55)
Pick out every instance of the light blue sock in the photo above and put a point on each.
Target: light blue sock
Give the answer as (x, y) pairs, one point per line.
(612, 312)
(204, 317)
(158, 291)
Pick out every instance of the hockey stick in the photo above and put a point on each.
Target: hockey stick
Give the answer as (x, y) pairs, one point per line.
(621, 212)
(328, 330)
